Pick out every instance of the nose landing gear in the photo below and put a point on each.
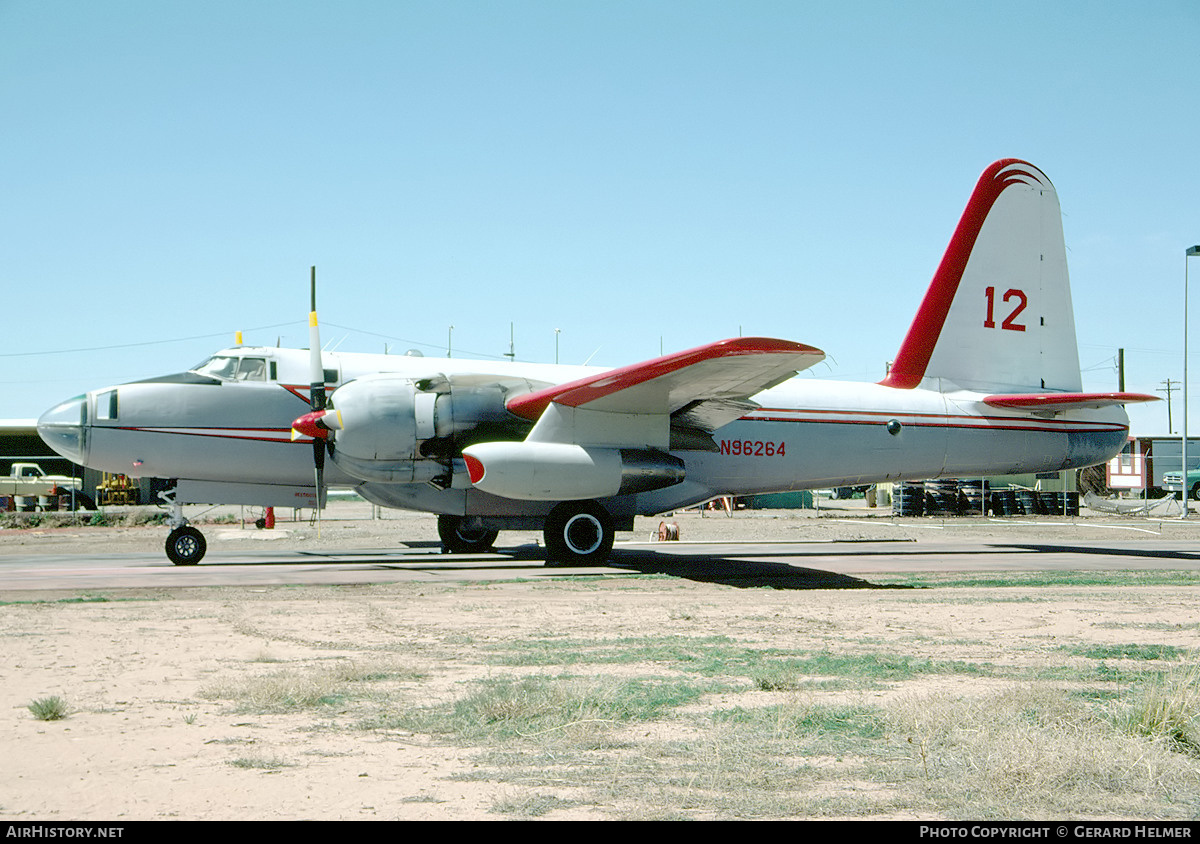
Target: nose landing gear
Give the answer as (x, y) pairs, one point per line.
(185, 545)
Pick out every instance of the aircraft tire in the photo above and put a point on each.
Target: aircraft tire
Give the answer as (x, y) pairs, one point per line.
(457, 540)
(578, 533)
(186, 546)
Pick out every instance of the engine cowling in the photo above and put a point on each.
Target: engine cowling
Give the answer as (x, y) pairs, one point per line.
(539, 471)
(394, 429)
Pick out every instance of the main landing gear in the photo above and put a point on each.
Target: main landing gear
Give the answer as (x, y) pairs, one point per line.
(578, 533)
(463, 535)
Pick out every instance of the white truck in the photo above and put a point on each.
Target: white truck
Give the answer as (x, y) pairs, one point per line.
(30, 485)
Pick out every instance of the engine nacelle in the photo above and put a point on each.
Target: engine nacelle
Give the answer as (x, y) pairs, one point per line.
(397, 430)
(537, 471)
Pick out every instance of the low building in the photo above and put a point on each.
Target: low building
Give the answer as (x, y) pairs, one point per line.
(1140, 465)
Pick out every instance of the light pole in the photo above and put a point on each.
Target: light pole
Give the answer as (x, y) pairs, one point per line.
(449, 340)
(1191, 252)
(557, 331)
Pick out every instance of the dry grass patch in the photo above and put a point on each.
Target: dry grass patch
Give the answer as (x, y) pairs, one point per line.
(1032, 752)
(295, 689)
(1166, 708)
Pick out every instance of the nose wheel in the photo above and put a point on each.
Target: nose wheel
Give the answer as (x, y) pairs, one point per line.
(578, 533)
(186, 546)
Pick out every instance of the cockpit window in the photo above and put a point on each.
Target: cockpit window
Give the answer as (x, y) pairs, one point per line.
(234, 369)
(218, 367)
(252, 369)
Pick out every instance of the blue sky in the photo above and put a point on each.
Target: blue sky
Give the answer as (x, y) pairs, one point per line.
(640, 175)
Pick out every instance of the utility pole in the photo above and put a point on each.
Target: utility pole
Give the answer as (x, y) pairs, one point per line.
(1171, 386)
(1121, 370)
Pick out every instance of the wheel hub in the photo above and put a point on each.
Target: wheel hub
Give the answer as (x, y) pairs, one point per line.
(583, 533)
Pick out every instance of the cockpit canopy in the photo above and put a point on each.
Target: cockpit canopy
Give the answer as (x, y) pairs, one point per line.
(232, 368)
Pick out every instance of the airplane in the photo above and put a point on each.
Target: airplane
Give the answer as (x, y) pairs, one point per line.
(986, 382)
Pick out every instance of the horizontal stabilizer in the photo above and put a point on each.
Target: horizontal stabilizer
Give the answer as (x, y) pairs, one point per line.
(1065, 401)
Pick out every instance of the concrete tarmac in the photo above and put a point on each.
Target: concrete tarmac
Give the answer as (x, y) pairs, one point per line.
(795, 565)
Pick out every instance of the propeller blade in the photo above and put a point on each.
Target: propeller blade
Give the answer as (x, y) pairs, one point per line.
(316, 369)
(319, 464)
(309, 423)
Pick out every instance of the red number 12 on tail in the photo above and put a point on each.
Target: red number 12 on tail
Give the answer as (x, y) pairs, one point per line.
(1010, 323)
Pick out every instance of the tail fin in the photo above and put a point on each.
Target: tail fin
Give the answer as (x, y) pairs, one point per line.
(998, 316)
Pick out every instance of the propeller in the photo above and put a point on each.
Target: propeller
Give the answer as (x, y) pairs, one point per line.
(312, 423)
(316, 371)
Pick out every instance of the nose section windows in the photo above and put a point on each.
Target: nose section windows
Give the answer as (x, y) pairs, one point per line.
(106, 406)
(62, 428)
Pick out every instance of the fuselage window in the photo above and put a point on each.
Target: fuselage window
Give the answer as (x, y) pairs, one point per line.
(106, 405)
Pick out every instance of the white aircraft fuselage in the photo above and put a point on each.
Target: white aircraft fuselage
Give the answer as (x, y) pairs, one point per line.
(986, 383)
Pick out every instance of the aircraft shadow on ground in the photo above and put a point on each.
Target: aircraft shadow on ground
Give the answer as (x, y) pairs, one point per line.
(1153, 553)
(720, 568)
(739, 572)
(728, 570)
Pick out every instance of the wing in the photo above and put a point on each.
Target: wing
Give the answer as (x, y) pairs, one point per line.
(609, 434)
(702, 388)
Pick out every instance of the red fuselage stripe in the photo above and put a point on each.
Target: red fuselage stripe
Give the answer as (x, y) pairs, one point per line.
(926, 420)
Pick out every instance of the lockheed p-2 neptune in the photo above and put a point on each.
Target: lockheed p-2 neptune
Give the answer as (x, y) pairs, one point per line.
(986, 382)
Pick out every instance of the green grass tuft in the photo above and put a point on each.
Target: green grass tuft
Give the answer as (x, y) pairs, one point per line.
(1166, 708)
(52, 708)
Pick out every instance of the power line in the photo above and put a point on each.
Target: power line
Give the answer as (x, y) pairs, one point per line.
(1168, 389)
(136, 345)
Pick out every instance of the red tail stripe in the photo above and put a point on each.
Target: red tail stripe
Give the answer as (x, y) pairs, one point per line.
(909, 367)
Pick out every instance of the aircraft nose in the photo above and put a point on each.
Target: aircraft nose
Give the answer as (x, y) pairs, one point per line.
(63, 428)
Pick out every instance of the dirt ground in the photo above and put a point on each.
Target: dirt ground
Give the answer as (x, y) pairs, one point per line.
(156, 726)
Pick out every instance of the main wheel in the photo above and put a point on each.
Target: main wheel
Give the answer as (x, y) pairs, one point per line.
(460, 539)
(578, 533)
(186, 546)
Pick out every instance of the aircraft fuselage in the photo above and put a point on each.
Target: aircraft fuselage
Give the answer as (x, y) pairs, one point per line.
(805, 434)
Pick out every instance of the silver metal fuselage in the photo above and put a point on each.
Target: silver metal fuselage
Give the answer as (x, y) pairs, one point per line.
(231, 439)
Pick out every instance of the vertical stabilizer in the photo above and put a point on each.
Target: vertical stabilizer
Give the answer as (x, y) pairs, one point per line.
(998, 315)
